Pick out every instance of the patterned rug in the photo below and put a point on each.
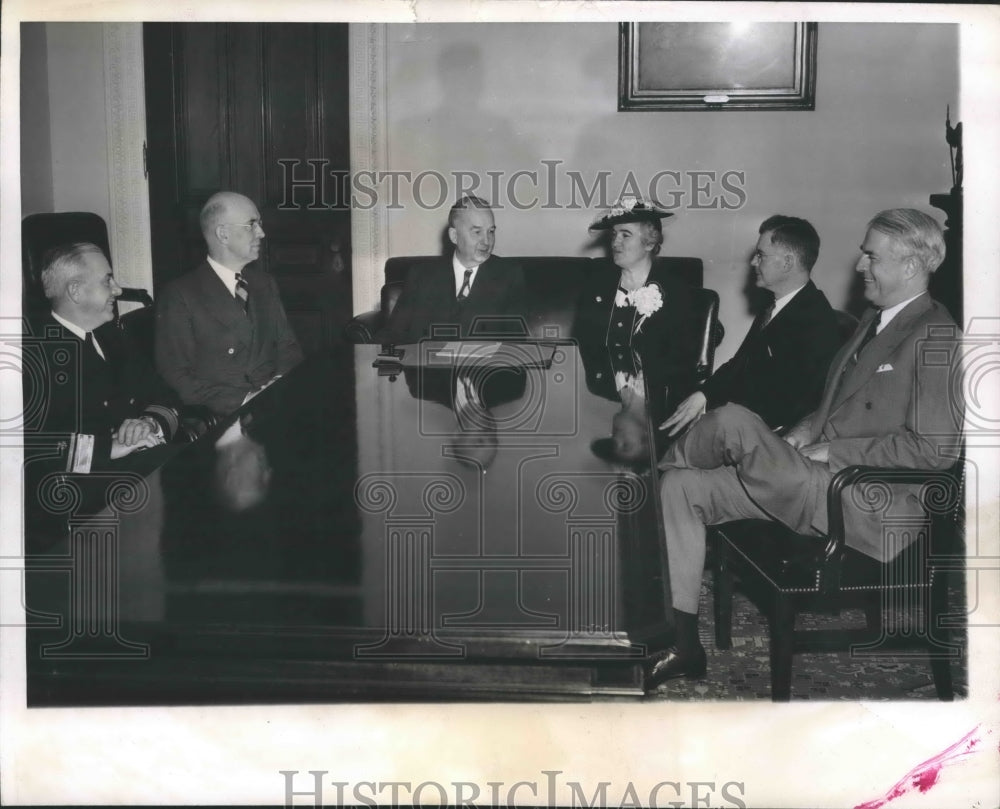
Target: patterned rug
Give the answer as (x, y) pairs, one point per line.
(744, 671)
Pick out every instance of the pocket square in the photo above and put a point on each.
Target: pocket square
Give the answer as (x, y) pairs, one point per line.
(884, 367)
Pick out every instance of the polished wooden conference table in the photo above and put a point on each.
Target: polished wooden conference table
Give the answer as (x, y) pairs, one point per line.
(472, 521)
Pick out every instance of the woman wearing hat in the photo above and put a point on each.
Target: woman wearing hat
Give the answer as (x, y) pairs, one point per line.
(635, 303)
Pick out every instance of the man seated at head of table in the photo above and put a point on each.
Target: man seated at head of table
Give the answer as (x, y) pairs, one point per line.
(779, 369)
(473, 290)
(109, 403)
(885, 404)
(222, 335)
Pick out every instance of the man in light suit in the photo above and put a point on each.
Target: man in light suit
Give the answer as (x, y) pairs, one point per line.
(778, 371)
(221, 331)
(473, 290)
(887, 403)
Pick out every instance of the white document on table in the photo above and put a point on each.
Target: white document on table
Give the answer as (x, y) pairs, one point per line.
(466, 350)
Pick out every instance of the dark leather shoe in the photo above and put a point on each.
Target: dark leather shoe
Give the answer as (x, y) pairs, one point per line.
(671, 664)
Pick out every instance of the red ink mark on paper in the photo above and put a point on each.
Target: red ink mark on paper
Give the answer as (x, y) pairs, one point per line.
(925, 775)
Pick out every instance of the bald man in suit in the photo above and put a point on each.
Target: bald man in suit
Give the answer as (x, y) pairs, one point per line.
(222, 335)
(885, 404)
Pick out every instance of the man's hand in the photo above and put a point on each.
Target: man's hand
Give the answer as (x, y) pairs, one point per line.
(816, 452)
(120, 450)
(133, 432)
(798, 436)
(687, 412)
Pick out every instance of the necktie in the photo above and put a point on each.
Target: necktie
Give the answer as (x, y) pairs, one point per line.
(92, 345)
(242, 292)
(869, 334)
(768, 313)
(463, 293)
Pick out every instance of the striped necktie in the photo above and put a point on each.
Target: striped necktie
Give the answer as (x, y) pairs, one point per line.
(463, 293)
(242, 292)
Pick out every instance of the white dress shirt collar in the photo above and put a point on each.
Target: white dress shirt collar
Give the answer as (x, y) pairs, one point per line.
(81, 333)
(784, 300)
(226, 275)
(892, 311)
(460, 269)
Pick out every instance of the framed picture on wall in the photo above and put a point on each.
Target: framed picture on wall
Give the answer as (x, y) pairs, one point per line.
(717, 65)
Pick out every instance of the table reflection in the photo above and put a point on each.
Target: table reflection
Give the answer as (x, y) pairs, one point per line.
(461, 509)
(242, 470)
(620, 377)
(473, 396)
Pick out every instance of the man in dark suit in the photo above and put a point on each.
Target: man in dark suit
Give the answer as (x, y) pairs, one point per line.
(222, 335)
(778, 371)
(89, 385)
(96, 415)
(479, 293)
(888, 402)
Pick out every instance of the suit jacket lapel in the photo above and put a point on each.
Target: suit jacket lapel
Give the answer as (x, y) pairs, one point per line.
(774, 329)
(443, 291)
(481, 283)
(835, 380)
(877, 351)
(219, 302)
(487, 282)
(757, 329)
(789, 313)
(258, 293)
(112, 344)
(488, 291)
(99, 374)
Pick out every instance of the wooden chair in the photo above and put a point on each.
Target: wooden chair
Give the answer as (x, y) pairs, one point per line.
(796, 573)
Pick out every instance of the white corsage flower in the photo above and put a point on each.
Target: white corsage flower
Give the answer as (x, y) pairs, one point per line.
(646, 300)
(632, 384)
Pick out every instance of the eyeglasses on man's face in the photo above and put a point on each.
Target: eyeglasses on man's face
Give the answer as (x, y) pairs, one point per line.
(251, 225)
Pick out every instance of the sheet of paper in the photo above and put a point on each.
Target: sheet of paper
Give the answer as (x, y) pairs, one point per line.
(464, 350)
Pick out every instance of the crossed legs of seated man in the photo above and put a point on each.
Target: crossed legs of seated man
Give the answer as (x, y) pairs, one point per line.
(703, 484)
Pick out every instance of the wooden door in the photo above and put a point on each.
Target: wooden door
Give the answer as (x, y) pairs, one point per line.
(251, 107)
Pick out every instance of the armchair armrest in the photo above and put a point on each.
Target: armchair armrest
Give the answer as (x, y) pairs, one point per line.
(363, 328)
(710, 332)
(941, 489)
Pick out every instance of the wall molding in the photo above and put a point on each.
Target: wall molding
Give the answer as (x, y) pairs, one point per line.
(369, 153)
(128, 190)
